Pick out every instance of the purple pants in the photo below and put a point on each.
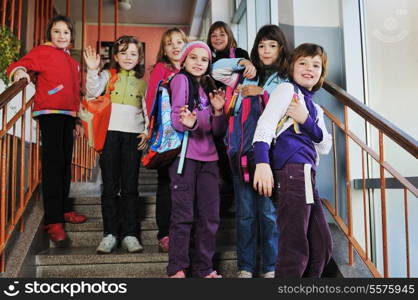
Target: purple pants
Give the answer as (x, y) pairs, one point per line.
(195, 201)
(305, 243)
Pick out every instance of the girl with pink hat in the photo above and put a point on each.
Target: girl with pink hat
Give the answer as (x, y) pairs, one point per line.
(197, 107)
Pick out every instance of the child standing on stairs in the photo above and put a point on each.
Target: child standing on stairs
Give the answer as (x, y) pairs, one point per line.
(57, 101)
(223, 45)
(255, 214)
(305, 241)
(168, 64)
(198, 109)
(126, 138)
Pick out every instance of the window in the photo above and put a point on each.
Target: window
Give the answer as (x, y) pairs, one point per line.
(262, 10)
(242, 32)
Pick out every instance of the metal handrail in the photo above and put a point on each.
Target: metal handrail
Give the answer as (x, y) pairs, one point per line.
(405, 141)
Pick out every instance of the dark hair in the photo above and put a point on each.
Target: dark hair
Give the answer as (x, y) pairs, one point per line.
(161, 56)
(60, 18)
(232, 43)
(272, 32)
(310, 50)
(124, 41)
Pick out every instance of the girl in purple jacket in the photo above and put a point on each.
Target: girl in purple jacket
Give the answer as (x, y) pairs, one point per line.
(197, 108)
(290, 133)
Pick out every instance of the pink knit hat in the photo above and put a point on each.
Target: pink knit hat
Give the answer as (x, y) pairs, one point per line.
(192, 45)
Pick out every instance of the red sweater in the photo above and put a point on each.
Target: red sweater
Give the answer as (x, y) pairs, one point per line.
(58, 82)
(160, 72)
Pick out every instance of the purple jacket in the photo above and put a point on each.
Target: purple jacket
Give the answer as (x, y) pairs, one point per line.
(201, 145)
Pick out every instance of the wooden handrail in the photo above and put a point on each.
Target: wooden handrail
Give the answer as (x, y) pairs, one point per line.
(14, 89)
(389, 129)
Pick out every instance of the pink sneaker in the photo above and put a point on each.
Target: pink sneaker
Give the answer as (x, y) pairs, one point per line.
(179, 274)
(163, 244)
(213, 275)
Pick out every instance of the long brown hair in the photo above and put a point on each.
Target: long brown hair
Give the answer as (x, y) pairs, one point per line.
(122, 44)
(272, 32)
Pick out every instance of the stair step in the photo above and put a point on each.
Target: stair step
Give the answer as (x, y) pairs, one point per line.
(88, 255)
(148, 199)
(72, 262)
(148, 237)
(227, 268)
(96, 224)
(146, 210)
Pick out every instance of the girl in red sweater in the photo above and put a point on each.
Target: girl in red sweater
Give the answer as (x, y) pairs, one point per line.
(168, 64)
(57, 101)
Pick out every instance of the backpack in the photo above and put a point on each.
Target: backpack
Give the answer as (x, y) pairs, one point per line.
(242, 122)
(95, 115)
(164, 142)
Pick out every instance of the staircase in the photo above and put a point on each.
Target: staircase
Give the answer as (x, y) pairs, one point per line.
(81, 260)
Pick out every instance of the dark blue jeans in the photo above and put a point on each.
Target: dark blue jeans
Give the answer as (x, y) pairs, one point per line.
(119, 162)
(305, 243)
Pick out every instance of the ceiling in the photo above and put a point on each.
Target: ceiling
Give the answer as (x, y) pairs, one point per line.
(152, 12)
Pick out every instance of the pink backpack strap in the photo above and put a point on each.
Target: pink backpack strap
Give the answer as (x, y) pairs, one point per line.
(231, 52)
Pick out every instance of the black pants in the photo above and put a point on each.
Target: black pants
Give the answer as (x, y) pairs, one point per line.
(57, 151)
(163, 205)
(227, 186)
(119, 162)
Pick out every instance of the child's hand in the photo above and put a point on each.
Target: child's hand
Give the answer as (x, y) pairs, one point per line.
(91, 58)
(217, 99)
(78, 130)
(19, 74)
(263, 179)
(250, 71)
(142, 137)
(251, 90)
(297, 111)
(187, 118)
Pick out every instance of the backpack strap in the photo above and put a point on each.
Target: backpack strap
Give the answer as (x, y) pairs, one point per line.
(183, 152)
(112, 81)
(231, 52)
(237, 103)
(285, 118)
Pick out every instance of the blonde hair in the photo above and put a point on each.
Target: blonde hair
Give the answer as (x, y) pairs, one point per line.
(167, 35)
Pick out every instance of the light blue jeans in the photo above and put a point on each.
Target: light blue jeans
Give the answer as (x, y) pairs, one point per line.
(254, 214)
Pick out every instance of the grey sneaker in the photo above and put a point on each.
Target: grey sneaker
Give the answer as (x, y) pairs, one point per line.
(131, 244)
(244, 274)
(107, 244)
(269, 274)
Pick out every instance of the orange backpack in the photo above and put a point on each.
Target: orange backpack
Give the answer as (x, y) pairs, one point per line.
(95, 115)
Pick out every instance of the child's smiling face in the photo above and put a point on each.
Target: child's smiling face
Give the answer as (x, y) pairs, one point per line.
(172, 47)
(219, 39)
(197, 62)
(127, 58)
(60, 35)
(307, 71)
(268, 51)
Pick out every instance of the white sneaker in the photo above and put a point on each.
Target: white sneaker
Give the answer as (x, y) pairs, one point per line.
(244, 274)
(269, 274)
(131, 244)
(107, 244)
